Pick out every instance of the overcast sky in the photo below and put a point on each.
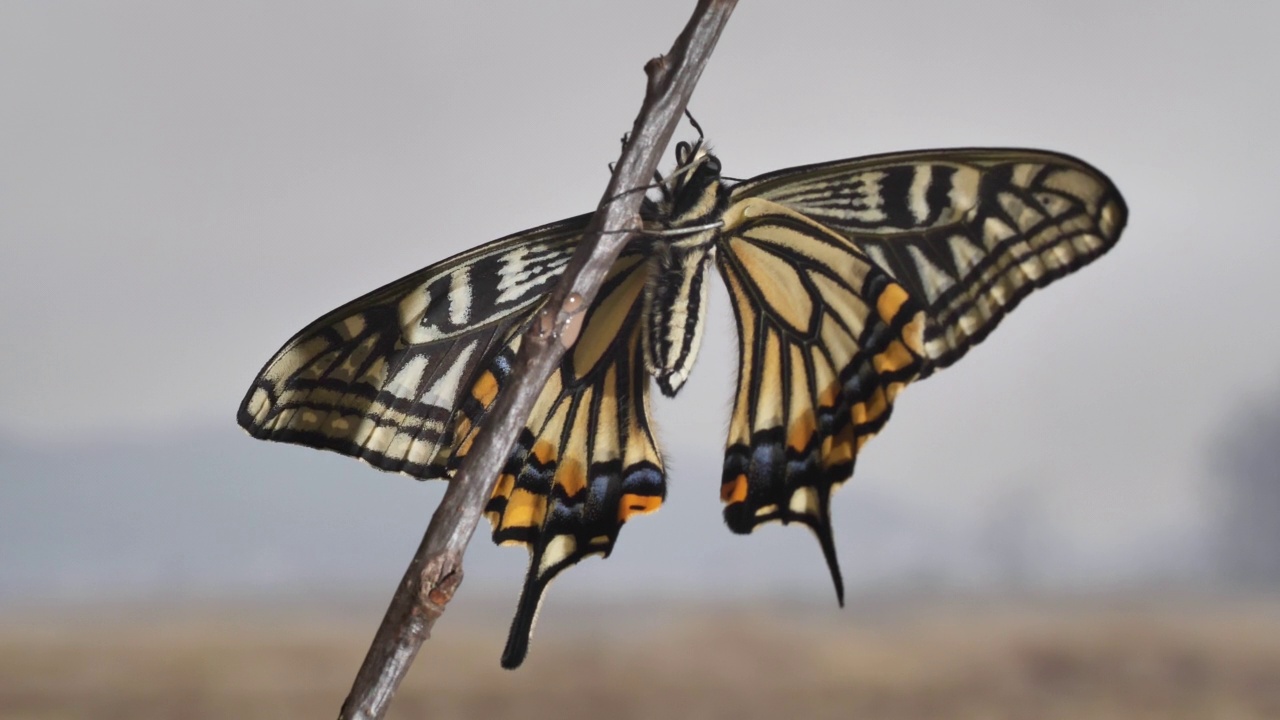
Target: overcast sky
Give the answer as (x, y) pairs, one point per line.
(184, 185)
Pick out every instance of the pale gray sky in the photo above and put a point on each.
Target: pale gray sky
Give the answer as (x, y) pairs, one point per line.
(184, 185)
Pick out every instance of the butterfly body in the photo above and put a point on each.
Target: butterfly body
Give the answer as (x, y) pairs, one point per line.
(689, 220)
(848, 281)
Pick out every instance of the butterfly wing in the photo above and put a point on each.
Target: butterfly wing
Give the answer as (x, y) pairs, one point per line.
(403, 376)
(380, 377)
(968, 232)
(587, 459)
(826, 340)
(851, 279)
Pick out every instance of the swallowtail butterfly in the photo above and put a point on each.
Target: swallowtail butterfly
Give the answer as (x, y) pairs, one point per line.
(848, 280)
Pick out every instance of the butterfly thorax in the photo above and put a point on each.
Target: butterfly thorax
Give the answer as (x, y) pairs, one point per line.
(685, 226)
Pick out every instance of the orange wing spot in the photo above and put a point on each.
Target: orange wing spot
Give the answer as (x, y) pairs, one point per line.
(890, 302)
(544, 451)
(524, 509)
(838, 449)
(637, 504)
(877, 404)
(801, 433)
(485, 389)
(503, 490)
(734, 491)
(506, 483)
(913, 334)
(895, 357)
(463, 427)
(571, 476)
(464, 447)
(894, 388)
(829, 396)
(872, 408)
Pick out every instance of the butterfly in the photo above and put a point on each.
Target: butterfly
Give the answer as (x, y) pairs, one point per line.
(848, 281)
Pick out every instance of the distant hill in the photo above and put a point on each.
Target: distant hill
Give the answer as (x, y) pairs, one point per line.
(202, 512)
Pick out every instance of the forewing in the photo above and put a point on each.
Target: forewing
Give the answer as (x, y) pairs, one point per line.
(968, 233)
(381, 378)
(587, 459)
(827, 339)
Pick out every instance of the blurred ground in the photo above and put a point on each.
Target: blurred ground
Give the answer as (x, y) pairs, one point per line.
(887, 658)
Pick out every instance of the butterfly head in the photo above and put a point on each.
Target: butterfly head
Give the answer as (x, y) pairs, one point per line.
(695, 189)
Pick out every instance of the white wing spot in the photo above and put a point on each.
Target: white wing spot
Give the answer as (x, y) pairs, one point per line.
(406, 381)
(936, 280)
(259, 404)
(1055, 205)
(919, 193)
(560, 547)
(460, 297)
(966, 254)
(1024, 173)
(994, 232)
(522, 269)
(877, 254)
(1023, 215)
(1108, 220)
(412, 309)
(804, 501)
(352, 326)
(445, 389)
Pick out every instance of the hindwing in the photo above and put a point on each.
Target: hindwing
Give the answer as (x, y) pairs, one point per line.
(826, 340)
(587, 459)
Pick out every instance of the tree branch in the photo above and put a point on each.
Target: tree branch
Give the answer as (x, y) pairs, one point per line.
(436, 569)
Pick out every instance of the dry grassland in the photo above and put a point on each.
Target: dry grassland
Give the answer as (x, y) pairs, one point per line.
(876, 661)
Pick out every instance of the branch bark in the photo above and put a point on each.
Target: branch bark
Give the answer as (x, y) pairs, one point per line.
(436, 569)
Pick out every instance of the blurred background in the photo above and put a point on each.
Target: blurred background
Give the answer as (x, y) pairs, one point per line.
(1081, 519)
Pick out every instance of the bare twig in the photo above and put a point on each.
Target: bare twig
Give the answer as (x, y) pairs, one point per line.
(436, 569)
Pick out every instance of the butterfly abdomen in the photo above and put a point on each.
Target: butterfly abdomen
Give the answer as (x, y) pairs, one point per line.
(675, 310)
